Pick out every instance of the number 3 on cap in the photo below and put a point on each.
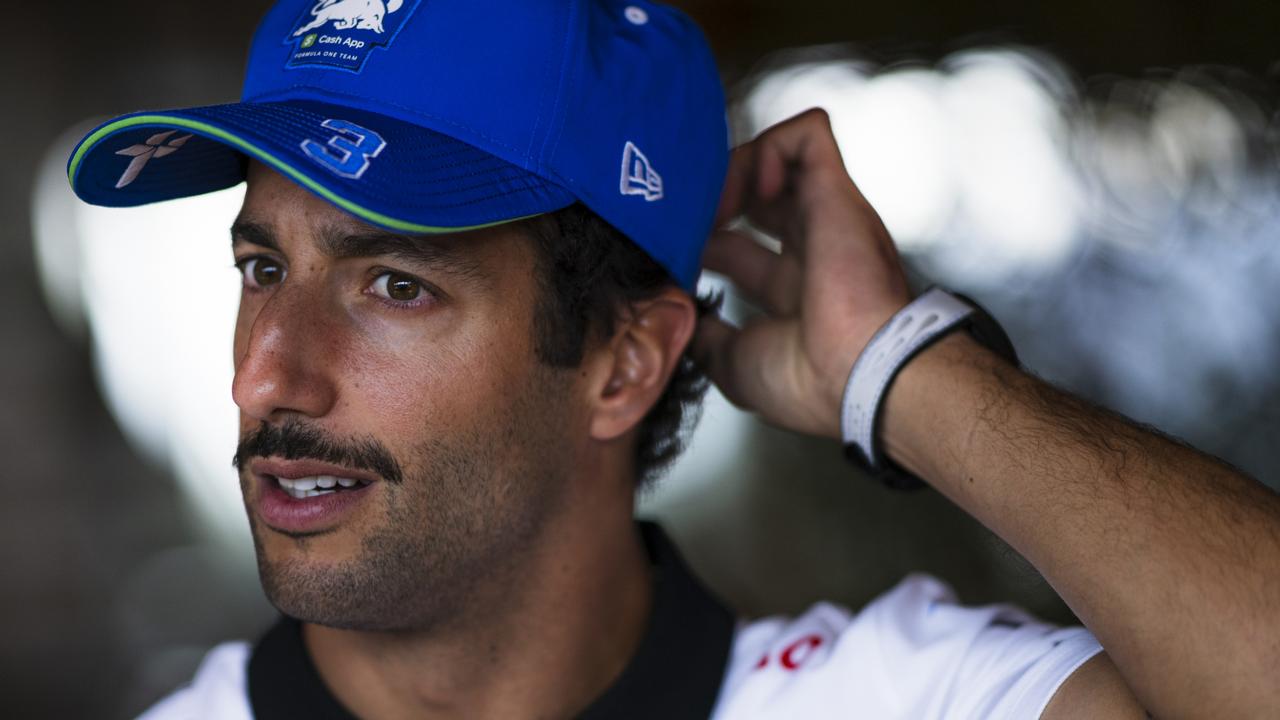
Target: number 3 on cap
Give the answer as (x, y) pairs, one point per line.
(346, 154)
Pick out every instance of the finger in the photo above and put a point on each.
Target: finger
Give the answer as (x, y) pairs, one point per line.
(805, 141)
(791, 182)
(836, 234)
(773, 178)
(754, 369)
(739, 179)
(713, 351)
(771, 206)
(766, 278)
(755, 178)
(850, 254)
(754, 186)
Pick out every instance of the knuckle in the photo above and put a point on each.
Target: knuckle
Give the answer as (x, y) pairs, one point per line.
(817, 117)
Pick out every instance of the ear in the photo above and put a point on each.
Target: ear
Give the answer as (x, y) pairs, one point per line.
(639, 360)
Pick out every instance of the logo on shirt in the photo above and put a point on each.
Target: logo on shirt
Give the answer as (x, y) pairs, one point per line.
(342, 33)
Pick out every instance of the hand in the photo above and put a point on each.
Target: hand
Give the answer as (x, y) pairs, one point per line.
(837, 280)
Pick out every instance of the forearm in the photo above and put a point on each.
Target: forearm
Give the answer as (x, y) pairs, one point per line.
(1169, 556)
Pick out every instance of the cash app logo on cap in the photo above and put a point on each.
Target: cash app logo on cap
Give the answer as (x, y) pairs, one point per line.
(342, 33)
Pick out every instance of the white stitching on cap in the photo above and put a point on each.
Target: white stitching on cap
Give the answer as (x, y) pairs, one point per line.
(636, 15)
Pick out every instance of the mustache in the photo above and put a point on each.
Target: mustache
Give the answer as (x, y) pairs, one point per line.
(293, 440)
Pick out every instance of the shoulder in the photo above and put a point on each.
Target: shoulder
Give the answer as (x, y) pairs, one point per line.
(216, 691)
(913, 652)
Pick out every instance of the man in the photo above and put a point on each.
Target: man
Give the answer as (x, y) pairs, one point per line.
(469, 242)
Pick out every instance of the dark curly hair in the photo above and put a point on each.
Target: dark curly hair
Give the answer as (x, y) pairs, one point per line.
(590, 275)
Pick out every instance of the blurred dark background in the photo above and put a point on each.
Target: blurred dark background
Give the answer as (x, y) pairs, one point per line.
(111, 592)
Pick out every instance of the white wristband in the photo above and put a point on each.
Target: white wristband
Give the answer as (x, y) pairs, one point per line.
(929, 316)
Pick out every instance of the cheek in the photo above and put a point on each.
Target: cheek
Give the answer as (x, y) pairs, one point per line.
(454, 374)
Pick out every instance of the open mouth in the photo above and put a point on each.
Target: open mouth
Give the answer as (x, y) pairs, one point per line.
(308, 496)
(317, 485)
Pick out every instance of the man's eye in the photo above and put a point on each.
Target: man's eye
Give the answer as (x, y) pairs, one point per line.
(397, 287)
(260, 272)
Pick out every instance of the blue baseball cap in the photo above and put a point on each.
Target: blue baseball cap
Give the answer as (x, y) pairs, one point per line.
(434, 116)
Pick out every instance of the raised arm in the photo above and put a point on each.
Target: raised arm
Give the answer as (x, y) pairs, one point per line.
(1171, 557)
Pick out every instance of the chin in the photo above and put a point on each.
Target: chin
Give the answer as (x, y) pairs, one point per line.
(339, 581)
(325, 596)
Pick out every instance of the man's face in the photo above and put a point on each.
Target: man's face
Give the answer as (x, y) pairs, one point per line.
(400, 373)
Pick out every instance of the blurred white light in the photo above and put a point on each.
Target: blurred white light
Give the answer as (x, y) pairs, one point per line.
(1157, 149)
(159, 293)
(790, 91)
(57, 243)
(967, 166)
(1198, 139)
(1116, 148)
(890, 130)
(894, 136)
(1018, 192)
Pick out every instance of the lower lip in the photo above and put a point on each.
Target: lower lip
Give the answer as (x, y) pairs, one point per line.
(282, 511)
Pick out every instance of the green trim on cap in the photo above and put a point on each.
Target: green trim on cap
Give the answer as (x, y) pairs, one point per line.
(249, 148)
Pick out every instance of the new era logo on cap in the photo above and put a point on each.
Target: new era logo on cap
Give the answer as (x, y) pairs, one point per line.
(638, 175)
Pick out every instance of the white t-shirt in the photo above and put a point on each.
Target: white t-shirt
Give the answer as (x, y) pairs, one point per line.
(913, 653)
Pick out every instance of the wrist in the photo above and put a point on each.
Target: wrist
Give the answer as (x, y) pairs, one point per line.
(934, 401)
(931, 318)
(836, 374)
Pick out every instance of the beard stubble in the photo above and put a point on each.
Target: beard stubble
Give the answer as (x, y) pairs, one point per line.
(454, 535)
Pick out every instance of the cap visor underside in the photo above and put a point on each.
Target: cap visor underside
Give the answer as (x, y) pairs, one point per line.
(383, 170)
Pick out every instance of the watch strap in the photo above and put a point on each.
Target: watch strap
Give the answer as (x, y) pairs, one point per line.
(927, 319)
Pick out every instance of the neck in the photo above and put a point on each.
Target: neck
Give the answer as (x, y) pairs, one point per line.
(544, 644)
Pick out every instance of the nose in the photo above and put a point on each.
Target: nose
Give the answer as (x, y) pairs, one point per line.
(281, 359)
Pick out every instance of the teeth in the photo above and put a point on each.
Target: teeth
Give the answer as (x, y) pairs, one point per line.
(317, 485)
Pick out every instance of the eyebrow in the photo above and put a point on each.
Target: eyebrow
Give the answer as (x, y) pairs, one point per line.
(342, 244)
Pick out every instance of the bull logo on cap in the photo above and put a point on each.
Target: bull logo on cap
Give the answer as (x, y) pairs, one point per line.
(343, 33)
(347, 14)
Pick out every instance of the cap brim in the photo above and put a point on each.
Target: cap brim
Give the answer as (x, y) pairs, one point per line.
(404, 177)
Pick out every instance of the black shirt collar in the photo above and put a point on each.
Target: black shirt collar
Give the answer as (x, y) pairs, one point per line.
(675, 673)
